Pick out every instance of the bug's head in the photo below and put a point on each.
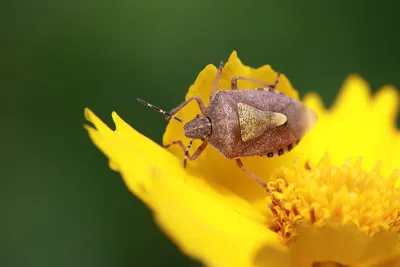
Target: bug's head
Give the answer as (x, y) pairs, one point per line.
(198, 128)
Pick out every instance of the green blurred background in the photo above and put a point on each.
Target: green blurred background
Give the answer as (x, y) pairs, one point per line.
(60, 203)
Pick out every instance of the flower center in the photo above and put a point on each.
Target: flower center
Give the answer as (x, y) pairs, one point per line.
(329, 195)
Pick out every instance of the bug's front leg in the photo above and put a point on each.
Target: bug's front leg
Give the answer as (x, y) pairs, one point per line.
(264, 84)
(195, 155)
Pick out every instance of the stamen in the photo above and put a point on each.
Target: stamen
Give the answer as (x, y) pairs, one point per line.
(326, 194)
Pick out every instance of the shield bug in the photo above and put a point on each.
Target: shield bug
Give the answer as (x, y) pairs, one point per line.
(244, 123)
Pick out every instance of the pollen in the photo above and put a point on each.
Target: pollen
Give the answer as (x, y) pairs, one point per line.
(328, 195)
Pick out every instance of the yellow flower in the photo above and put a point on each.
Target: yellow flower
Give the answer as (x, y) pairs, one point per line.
(334, 198)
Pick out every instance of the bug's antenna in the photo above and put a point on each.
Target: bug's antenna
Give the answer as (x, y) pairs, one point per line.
(167, 115)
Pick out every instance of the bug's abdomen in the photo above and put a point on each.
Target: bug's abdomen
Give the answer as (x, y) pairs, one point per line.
(278, 140)
(271, 143)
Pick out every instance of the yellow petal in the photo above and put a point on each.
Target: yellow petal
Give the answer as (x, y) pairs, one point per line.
(330, 247)
(393, 261)
(346, 246)
(219, 229)
(357, 125)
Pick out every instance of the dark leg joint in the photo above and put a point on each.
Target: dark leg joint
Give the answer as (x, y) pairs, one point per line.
(278, 77)
(196, 154)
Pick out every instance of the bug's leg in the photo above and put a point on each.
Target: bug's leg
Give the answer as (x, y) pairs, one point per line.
(179, 142)
(252, 175)
(197, 99)
(264, 84)
(217, 77)
(195, 155)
